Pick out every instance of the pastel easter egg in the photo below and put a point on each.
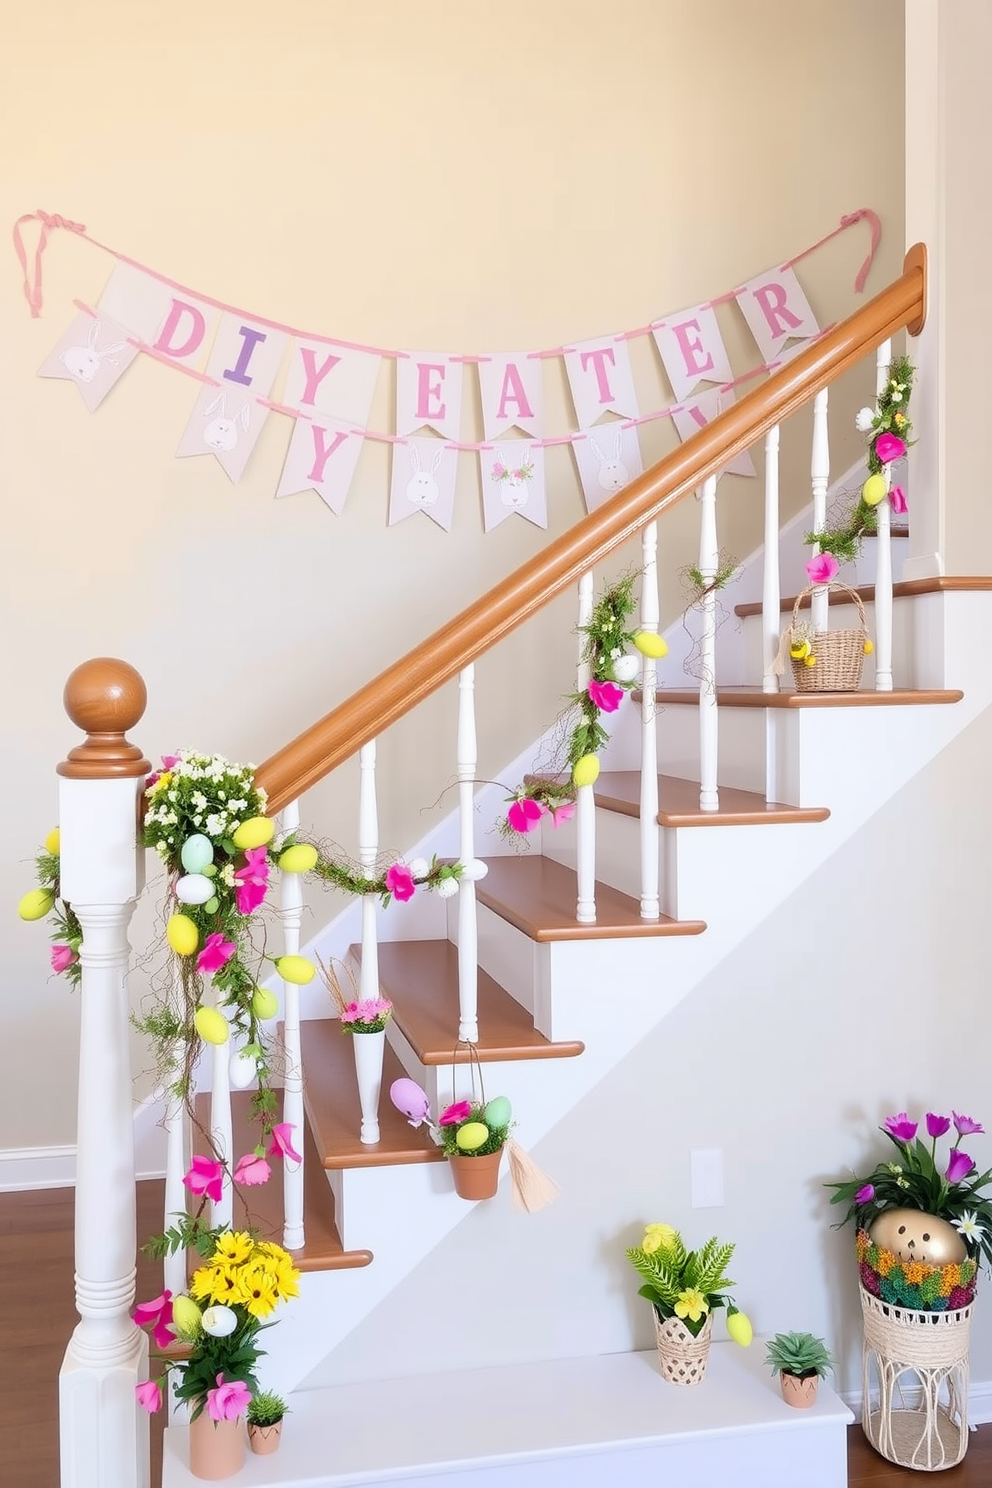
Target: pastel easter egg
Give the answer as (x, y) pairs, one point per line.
(210, 870)
(625, 668)
(739, 1328)
(194, 888)
(474, 870)
(296, 969)
(650, 644)
(211, 1025)
(182, 934)
(255, 832)
(35, 904)
(472, 1136)
(299, 858)
(242, 1070)
(586, 770)
(873, 491)
(212, 905)
(53, 842)
(408, 1097)
(197, 852)
(219, 1321)
(498, 1111)
(869, 647)
(264, 1004)
(186, 1317)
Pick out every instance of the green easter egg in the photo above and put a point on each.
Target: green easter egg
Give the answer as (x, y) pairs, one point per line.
(212, 905)
(498, 1111)
(197, 852)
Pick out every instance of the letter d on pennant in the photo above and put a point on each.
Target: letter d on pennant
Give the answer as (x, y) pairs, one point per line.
(168, 342)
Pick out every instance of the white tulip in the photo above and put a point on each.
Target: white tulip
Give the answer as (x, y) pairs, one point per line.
(864, 420)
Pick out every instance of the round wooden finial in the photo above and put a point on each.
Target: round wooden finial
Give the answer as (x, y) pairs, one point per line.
(105, 697)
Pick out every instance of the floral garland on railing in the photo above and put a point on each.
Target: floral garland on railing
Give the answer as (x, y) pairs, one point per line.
(612, 672)
(888, 427)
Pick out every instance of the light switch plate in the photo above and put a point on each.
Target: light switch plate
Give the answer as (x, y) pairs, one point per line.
(706, 1178)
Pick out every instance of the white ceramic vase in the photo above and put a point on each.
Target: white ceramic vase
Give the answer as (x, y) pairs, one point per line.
(369, 1049)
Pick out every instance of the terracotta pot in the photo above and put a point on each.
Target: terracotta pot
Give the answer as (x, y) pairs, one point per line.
(799, 1392)
(476, 1177)
(216, 1448)
(264, 1440)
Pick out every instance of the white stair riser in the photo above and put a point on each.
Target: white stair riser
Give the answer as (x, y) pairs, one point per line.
(505, 953)
(742, 744)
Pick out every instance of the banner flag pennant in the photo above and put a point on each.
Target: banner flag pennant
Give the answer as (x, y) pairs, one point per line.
(513, 482)
(512, 390)
(698, 413)
(777, 311)
(322, 457)
(423, 479)
(174, 325)
(691, 349)
(601, 380)
(228, 416)
(94, 353)
(429, 393)
(608, 457)
(331, 380)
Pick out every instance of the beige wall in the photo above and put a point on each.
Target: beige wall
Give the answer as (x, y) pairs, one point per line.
(462, 176)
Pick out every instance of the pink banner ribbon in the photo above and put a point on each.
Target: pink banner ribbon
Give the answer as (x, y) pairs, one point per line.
(32, 284)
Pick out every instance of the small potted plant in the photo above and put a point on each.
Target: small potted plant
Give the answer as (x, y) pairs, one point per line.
(365, 1018)
(473, 1135)
(800, 1361)
(265, 1413)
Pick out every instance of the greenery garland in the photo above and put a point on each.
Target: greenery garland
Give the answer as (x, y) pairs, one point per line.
(888, 426)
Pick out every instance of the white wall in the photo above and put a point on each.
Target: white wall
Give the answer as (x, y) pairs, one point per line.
(864, 994)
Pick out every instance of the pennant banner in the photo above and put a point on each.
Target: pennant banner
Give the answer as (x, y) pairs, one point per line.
(326, 386)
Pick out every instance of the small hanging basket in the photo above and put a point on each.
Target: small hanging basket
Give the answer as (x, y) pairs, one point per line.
(837, 655)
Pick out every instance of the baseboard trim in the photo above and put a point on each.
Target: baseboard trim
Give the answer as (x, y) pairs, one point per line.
(55, 1167)
(979, 1402)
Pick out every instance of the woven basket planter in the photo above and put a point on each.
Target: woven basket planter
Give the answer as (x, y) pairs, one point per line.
(915, 1364)
(839, 654)
(683, 1359)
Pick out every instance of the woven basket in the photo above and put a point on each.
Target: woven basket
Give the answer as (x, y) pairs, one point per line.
(683, 1359)
(840, 654)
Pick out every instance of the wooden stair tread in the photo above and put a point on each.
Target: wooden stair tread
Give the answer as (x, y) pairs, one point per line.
(537, 895)
(420, 977)
(323, 1250)
(678, 802)
(753, 697)
(331, 1094)
(944, 584)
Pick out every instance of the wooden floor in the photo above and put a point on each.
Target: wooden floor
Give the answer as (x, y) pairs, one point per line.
(37, 1316)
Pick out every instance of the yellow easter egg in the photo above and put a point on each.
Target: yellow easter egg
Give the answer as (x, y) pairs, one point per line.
(869, 647)
(35, 904)
(211, 1025)
(739, 1328)
(799, 651)
(874, 490)
(299, 858)
(182, 934)
(53, 842)
(255, 832)
(296, 969)
(586, 770)
(650, 644)
(472, 1136)
(809, 661)
(264, 1004)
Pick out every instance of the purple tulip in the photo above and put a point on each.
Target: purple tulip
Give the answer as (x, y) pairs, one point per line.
(959, 1166)
(900, 1127)
(964, 1126)
(865, 1194)
(937, 1125)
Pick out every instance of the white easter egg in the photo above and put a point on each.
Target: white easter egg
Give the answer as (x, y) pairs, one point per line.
(419, 867)
(242, 1070)
(220, 1321)
(194, 888)
(474, 870)
(625, 668)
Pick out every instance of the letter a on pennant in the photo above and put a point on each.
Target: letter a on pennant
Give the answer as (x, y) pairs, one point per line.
(428, 393)
(512, 394)
(777, 311)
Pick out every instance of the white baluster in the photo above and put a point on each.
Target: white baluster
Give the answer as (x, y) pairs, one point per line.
(221, 1124)
(176, 1158)
(103, 1437)
(368, 850)
(883, 569)
(291, 915)
(468, 932)
(709, 727)
(771, 592)
(820, 477)
(585, 800)
(650, 831)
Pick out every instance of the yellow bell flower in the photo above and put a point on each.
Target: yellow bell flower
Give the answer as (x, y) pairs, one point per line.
(659, 1237)
(739, 1328)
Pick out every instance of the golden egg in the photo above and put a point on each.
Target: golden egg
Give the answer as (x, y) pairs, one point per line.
(913, 1235)
(255, 832)
(182, 934)
(211, 1025)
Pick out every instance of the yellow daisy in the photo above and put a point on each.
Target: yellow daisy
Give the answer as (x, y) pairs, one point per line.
(257, 1290)
(217, 1284)
(235, 1247)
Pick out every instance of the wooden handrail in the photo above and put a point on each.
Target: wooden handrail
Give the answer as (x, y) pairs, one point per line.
(370, 711)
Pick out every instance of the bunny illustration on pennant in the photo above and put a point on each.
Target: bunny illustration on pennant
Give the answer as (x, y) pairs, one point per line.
(84, 362)
(613, 473)
(514, 484)
(422, 489)
(222, 432)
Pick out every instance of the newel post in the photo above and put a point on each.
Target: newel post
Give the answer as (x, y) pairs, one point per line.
(103, 1433)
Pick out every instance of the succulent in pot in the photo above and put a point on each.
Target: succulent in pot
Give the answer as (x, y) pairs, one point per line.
(800, 1360)
(265, 1412)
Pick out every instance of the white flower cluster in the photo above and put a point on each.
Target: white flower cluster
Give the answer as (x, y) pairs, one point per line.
(216, 807)
(865, 420)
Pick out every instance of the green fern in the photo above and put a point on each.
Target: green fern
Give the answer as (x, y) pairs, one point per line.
(706, 1267)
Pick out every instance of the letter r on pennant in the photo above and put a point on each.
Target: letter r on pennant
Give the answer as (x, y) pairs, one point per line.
(772, 300)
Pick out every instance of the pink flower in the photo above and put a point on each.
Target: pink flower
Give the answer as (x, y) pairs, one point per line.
(451, 1115)
(206, 1177)
(252, 880)
(606, 695)
(62, 956)
(399, 882)
(525, 814)
(562, 813)
(282, 1142)
(228, 1401)
(499, 471)
(149, 1394)
(897, 497)
(900, 1127)
(251, 1170)
(159, 1313)
(865, 1194)
(822, 568)
(959, 1166)
(368, 1011)
(169, 762)
(937, 1125)
(889, 447)
(216, 953)
(964, 1126)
